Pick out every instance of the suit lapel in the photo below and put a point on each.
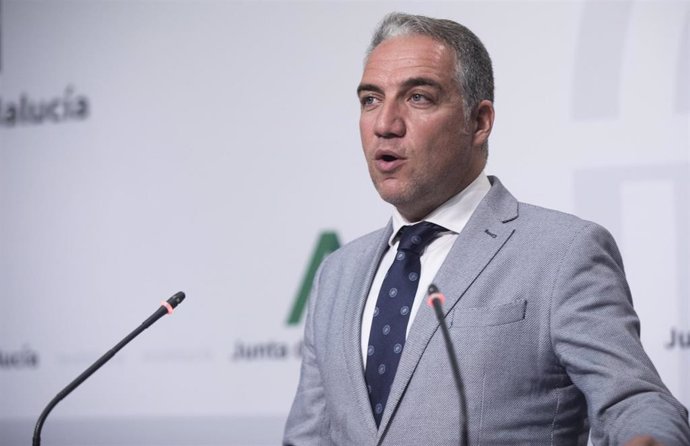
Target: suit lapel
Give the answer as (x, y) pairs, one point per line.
(478, 243)
(368, 264)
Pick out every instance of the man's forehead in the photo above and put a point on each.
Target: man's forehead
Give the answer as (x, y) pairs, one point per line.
(410, 50)
(409, 59)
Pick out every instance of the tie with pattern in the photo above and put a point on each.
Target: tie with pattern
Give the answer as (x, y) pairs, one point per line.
(392, 312)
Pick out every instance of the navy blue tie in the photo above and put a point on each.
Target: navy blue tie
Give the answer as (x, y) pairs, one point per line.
(392, 313)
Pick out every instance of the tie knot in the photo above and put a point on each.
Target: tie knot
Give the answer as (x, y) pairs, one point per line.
(417, 237)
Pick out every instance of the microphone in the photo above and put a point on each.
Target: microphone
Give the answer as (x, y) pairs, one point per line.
(435, 300)
(166, 307)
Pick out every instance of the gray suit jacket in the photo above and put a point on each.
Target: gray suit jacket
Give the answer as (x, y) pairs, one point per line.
(543, 326)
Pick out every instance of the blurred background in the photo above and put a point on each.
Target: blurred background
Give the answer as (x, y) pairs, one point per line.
(148, 147)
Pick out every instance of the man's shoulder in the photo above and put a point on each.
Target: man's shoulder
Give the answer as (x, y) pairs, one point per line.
(362, 244)
(559, 235)
(546, 216)
(354, 258)
(531, 214)
(537, 223)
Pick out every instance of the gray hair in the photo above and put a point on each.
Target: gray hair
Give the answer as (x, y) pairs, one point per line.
(473, 70)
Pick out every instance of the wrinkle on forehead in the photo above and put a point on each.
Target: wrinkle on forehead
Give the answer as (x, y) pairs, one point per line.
(398, 59)
(405, 47)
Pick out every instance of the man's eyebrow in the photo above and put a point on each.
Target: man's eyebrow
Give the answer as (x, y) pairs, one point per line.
(369, 87)
(407, 84)
(421, 82)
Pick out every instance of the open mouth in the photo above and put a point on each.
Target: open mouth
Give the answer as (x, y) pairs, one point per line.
(388, 161)
(389, 158)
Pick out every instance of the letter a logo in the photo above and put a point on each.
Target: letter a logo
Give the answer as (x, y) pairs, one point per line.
(328, 242)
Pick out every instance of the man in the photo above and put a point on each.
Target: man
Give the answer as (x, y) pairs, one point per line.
(538, 307)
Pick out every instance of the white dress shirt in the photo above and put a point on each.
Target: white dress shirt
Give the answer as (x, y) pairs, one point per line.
(452, 215)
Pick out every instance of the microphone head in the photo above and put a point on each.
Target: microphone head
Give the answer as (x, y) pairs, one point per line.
(176, 299)
(434, 294)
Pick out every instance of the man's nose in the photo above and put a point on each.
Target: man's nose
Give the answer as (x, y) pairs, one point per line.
(389, 121)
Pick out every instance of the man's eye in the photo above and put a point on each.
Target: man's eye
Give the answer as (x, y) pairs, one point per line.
(418, 97)
(368, 100)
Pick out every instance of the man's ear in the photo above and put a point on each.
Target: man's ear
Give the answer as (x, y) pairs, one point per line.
(483, 120)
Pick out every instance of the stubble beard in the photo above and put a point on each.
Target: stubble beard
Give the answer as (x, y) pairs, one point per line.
(410, 198)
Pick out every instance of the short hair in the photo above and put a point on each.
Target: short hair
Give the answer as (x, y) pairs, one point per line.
(474, 73)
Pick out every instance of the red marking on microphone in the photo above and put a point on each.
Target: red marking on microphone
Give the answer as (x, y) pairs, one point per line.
(437, 295)
(167, 307)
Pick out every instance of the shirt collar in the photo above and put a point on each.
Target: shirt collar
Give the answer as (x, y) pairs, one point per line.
(454, 213)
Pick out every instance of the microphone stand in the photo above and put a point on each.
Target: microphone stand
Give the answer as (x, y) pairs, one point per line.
(165, 308)
(436, 299)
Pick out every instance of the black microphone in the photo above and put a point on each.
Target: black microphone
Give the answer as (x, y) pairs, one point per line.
(165, 308)
(435, 300)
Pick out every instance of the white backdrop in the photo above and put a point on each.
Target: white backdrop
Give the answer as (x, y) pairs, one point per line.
(150, 147)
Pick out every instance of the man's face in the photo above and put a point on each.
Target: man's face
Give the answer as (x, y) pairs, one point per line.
(412, 124)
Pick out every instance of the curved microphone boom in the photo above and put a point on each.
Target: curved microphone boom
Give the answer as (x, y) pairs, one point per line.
(435, 300)
(166, 307)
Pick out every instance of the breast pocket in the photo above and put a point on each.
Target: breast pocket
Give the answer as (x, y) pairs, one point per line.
(489, 316)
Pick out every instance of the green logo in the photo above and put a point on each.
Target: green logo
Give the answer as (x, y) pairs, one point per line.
(327, 243)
